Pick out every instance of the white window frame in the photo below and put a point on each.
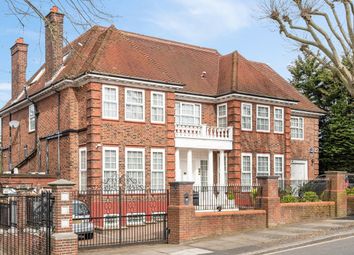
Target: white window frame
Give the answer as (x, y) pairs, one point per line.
(142, 104)
(107, 225)
(155, 216)
(82, 149)
(157, 106)
(251, 174)
(221, 116)
(142, 215)
(116, 102)
(282, 165)
(194, 115)
(248, 116)
(302, 127)
(263, 155)
(104, 148)
(163, 170)
(126, 168)
(31, 109)
(282, 120)
(258, 117)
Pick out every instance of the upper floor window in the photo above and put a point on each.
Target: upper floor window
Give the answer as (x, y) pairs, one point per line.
(279, 166)
(246, 113)
(297, 128)
(263, 118)
(188, 113)
(157, 107)
(134, 104)
(31, 118)
(135, 169)
(157, 169)
(222, 115)
(110, 102)
(82, 169)
(263, 164)
(278, 120)
(110, 169)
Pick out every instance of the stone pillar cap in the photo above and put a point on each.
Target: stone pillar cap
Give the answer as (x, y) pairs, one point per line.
(181, 183)
(267, 177)
(336, 172)
(61, 182)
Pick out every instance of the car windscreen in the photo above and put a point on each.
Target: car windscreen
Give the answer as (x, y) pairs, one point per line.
(80, 209)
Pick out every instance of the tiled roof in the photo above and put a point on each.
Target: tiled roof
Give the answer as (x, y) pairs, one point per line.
(201, 70)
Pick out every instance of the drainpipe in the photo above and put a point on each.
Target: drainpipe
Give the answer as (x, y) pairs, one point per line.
(36, 114)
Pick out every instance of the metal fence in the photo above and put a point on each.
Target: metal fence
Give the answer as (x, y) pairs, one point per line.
(118, 217)
(231, 197)
(23, 229)
(298, 188)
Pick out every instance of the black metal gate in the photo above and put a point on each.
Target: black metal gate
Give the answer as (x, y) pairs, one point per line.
(26, 224)
(104, 218)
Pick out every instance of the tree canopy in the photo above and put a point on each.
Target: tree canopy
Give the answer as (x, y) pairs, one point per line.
(326, 90)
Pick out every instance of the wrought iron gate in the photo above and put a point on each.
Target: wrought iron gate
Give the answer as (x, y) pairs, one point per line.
(104, 218)
(26, 224)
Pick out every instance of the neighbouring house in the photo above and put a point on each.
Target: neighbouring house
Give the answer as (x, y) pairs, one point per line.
(115, 108)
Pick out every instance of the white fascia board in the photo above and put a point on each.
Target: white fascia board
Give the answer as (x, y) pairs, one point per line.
(199, 143)
(306, 113)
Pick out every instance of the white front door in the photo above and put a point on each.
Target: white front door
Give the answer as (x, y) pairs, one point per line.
(299, 170)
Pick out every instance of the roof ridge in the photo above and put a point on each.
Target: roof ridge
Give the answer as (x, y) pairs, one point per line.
(172, 42)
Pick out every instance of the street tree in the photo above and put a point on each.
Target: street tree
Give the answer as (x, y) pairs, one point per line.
(324, 26)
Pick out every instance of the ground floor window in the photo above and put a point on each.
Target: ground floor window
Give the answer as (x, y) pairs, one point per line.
(279, 166)
(135, 169)
(263, 165)
(157, 169)
(82, 169)
(110, 169)
(111, 221)
(135, 219)
(246, 171)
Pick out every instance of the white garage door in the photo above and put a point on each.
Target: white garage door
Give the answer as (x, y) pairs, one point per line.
(299, 170)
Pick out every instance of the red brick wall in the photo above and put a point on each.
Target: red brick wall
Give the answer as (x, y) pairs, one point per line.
(226, 222)
(299, 212)
(300, 149)
(125, 134)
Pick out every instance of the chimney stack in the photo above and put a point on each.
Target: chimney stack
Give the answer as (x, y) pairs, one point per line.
(18, 66)
(53, 42)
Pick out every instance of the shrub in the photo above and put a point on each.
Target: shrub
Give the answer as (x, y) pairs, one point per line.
(310, 196)
(350, 191)
(230, 196)
(288, 199)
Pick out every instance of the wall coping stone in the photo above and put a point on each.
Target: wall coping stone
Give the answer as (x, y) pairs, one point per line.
(181, 183)
(228, 213)
(61, 182)
(321, 203)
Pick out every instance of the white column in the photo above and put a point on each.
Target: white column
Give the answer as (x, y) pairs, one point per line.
(177, 166)
(210, 168)
(189, 165)
(222, 168)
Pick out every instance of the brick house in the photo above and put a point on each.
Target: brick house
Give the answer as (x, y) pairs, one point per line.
(116, 108)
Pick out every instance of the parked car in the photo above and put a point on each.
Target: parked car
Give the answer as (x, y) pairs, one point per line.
(82, 223)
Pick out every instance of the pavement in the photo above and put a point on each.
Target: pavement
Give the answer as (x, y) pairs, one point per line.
(265, 241)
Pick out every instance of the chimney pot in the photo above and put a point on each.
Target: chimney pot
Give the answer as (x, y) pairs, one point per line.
(54, 9)
(20, 40)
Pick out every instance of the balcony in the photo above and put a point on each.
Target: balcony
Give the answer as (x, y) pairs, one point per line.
(203, 137)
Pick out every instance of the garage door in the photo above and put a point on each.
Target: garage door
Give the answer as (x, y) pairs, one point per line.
(299, 170)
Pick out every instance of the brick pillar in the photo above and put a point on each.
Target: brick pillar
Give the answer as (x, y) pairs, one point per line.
(180, 211)
(337, 191)
(171, 149)
(270, 198)
(234, 159)
(64, 240)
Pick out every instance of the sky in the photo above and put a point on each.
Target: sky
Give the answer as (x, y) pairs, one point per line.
(225, 25)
